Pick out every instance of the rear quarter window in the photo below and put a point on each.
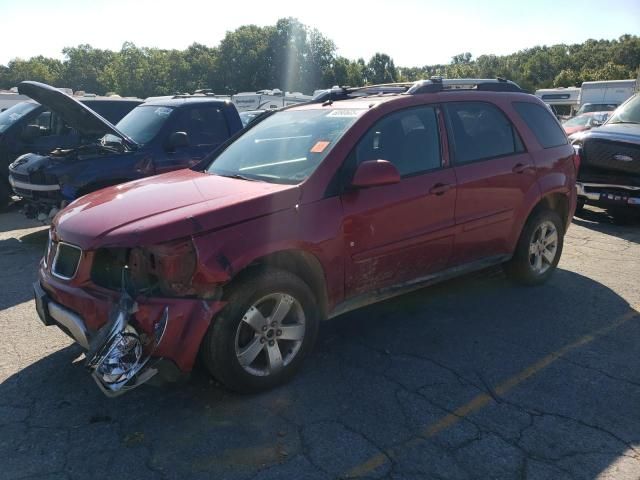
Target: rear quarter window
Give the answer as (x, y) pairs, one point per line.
(541, 122)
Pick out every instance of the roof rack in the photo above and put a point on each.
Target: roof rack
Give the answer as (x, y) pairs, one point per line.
(202, 92)
(439, 84)
(433, 85)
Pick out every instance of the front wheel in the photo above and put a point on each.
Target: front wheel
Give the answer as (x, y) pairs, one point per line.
(261, 337)
(5, 194)
(539, 248)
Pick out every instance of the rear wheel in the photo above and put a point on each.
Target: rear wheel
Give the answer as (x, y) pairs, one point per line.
(539, 248)
(261, 337)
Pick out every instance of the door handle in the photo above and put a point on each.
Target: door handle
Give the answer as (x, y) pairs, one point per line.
(522, 168)
(440, 189)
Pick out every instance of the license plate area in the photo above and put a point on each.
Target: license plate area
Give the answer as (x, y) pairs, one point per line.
(42, 307)
(614, 198)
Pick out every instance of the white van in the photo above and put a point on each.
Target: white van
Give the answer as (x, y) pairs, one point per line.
(606, 95)
(267, 99)
(564, 101)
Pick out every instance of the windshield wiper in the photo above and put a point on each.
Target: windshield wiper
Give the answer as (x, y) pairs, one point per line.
(623, 121)
(239, 177)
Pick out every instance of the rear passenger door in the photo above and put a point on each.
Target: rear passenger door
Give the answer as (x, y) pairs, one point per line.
(205, 125)
(397, 233)
(494, 174)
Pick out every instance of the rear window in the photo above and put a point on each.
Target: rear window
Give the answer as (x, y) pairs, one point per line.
(481, 131)
(542, 124)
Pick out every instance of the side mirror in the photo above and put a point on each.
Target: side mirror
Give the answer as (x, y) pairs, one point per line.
(178, 140)
(374, 173)
(30, 132)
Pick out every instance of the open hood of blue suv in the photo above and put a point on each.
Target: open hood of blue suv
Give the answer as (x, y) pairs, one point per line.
(75, 114)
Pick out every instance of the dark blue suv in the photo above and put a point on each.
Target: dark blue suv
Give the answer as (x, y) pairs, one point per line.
(31, 127)
(155, 137)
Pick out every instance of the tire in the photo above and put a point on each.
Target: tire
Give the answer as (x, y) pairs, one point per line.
(523, 267)
(5, 194)
(579, 207)
(622, 216)
(239, 329)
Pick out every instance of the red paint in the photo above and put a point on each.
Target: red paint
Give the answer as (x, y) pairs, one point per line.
(362, 238)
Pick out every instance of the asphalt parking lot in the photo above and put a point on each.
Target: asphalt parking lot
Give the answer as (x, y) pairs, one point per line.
(475, 378)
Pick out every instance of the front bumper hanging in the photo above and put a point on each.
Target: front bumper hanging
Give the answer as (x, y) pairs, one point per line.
(118, 356)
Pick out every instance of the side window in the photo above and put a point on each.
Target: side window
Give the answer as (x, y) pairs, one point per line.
(409, 139)
(481, 131)
(41, 122)
(205, 125)
(542, 124)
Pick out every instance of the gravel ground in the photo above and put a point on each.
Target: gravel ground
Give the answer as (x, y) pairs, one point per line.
(475, 378)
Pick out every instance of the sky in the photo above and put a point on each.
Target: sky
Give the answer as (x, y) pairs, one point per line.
(412, 32)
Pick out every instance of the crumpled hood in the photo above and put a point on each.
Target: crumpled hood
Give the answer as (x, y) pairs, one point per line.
(75, 114)
(167, 207)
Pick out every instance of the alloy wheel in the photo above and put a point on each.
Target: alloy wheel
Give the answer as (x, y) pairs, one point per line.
(270, 334)
(543, 247)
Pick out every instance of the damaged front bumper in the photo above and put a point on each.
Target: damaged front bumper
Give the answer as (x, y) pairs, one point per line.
(137, 340)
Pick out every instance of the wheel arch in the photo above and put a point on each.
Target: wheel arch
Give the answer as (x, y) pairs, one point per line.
(301, 263)
(556, 201)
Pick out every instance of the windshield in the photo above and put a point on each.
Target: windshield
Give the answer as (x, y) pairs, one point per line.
(15, 113)
(579, 121)
(286, 147)
(597, 107)
(629, 112)
(141, 124)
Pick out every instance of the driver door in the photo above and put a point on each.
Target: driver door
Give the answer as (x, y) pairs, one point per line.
(205, 126)
(399, 233)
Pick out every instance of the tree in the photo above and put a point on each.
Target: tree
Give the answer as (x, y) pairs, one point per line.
(292, 56)
(83, 66)
(381, 69)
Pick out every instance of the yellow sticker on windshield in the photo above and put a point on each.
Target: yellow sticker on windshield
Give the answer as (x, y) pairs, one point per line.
(320, 146)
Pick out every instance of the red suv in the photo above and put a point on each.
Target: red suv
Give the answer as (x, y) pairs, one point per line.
(312, 211)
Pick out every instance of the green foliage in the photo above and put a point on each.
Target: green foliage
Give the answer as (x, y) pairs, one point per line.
(294, 57)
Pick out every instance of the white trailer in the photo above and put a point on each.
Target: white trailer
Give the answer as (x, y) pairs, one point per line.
(606, 93)
(267, 99)
(563, 101)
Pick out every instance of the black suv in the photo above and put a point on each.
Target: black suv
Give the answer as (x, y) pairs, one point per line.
(609, 175)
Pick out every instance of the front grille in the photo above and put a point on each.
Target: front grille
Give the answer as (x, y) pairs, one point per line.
(20, 177)
(66, 260)
(600, 153)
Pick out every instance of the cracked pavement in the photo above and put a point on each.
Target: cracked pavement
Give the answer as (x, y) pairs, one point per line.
(474, 378)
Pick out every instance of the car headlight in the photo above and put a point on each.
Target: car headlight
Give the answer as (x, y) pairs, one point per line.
(169, 267)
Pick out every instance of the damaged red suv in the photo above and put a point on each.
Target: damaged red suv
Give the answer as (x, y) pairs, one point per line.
(312, 211)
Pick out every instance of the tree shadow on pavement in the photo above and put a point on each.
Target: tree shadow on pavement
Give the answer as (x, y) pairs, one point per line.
(524, 370)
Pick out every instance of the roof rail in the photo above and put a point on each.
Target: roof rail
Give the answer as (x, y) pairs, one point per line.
(433, 85)
(439, 84)
(345, 92)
